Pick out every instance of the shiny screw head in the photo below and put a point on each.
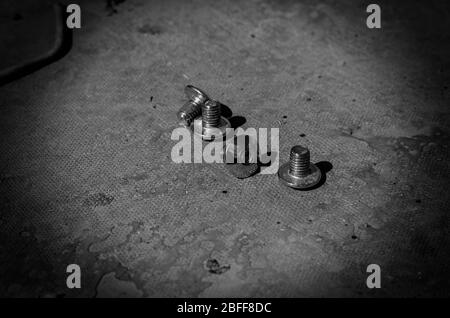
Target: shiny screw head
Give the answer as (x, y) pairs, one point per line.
(193, 107)
(299, 172)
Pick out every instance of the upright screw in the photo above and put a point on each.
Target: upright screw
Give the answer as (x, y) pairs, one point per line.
(212, 125)
(299, 172)
(211, 114)
(193, 107)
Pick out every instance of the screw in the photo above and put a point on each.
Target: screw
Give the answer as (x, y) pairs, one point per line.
(242, 171)
(212, 125)
(244, 163)
(193, 107)
(243, 151)
(299, 172)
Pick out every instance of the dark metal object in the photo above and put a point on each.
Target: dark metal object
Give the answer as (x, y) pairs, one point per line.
(61, 46)
(242, 171)
(299, 172)
(244, 163)
(212, 125)
(193, 107)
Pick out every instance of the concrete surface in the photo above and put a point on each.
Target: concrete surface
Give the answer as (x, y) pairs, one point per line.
(86, 174)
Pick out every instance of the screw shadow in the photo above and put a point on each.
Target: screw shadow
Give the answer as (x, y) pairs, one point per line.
(237, 121)
(225, 111)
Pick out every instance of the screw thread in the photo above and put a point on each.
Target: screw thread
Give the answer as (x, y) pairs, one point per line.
(299, 162)
(211, 114)
(189, 112)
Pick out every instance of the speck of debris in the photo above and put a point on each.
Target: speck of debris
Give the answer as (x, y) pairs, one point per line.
(252, 35)
(98, 199)
(418, 201)
(150, 29)
(308, 99)
(151, 98)
(354, 237)
(284, 116)
(224, 191)
(215, 268)
(302, 135)
(25, 234)
(111, 6)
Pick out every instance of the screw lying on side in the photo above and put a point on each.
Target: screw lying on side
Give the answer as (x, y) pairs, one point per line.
(212, 125)
(192, 108)
(244, 163)
(299, 172)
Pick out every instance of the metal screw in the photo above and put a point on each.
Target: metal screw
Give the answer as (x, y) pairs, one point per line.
(212, 125)
(244, 163)
(193, 107)
(299, 172)
(242, 171)
(241, 153)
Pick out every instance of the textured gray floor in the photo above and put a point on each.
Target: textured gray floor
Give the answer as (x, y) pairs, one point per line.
(86, 174)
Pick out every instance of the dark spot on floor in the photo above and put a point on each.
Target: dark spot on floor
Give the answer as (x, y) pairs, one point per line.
(98, 199)
(302, 135)
(225, 191)
(151, 98)
(308, 99)
(284, 116)
(215, 268)
(150, 29)
(111, 6)
(252, 35)
(17, 17)
(418, 201)
(354, 237)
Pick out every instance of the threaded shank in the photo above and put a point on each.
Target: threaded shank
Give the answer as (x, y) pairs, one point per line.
(211, 114)
(189, 112)
(195, 111)
(299, 161)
